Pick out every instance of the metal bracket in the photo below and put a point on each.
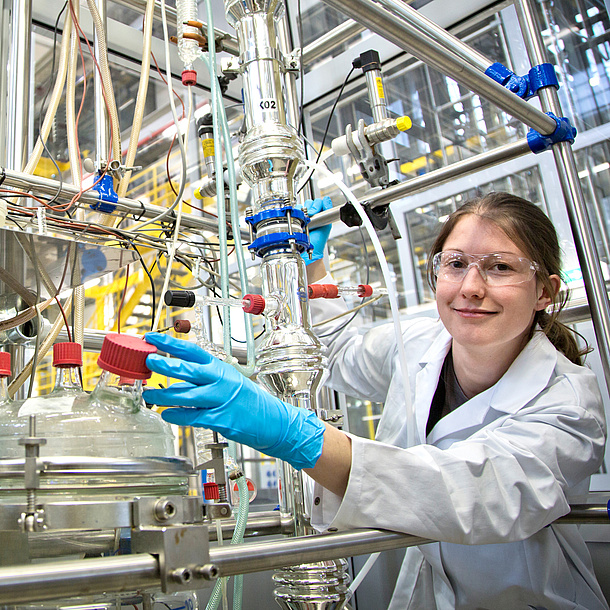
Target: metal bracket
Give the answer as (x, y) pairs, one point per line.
(181, 549)
(169, 510)
(292, 61)
(332, 416)
(230, 65)
(218, 510)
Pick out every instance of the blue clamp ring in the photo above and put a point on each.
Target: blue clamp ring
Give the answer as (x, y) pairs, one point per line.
(541, 76)
(519, 85)
(608, 509)
(107, 195)
(278, 213)
(563, 133)
(264, 243)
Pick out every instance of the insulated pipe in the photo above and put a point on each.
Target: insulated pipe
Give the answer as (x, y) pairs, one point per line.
(406, 36)
(102, 143)
(433, 178)
(575, 202)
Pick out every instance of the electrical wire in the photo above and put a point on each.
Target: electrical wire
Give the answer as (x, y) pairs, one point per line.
(122, 300)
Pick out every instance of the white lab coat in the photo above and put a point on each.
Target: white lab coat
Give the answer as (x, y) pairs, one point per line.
(491, 477)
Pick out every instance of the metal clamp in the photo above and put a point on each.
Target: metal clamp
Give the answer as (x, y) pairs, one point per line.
(169, 510)
(181, 551)
(563, 133)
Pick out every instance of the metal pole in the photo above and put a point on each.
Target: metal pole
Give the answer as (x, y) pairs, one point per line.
(406, 36)
(575, 202)
(48, 580)
(46, 186)
(433, 178)
(102, 141)
(331, 40)
(437, 33)
(19, 84)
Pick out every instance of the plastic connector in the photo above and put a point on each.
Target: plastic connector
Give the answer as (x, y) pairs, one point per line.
(563, 133)
(254, 304)
(323, 291)
(179, 298)
(519, 85)
(107, 194)
(182, 326)
(542, 75)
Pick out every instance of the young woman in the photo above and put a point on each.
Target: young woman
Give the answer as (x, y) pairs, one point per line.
(510, 425)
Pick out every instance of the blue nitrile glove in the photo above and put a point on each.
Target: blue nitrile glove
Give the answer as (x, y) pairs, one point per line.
(318, 237)
(218, 397)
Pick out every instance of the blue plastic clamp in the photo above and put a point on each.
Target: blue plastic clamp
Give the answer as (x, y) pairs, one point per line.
(266, 242)
(107, 194)
(278, 213)
(519, 85)
(541, 76)
(564, 133)
(608, 509)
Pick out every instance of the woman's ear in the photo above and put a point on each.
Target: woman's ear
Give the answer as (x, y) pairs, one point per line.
(544, 298)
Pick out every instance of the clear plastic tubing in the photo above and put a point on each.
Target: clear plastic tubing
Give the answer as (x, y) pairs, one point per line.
(188, 50)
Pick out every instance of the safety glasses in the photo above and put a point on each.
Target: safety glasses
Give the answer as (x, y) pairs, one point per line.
(496, 268)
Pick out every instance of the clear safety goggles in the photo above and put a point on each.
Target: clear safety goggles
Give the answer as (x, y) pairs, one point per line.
(496, 268)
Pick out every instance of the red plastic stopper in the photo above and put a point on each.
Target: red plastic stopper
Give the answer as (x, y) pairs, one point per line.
(189, 77)
(323, 291)
(125, 355)
(254, 304)
(364, 290)
(211, 491)
(5, 364)
(67, 354)
(182, 326)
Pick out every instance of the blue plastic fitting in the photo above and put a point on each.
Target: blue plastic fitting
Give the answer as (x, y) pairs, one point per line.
(519, 85)
(107, 195)
(278, 213)
(541, 76)
(274, 240)
(608, 509)
(563, 133)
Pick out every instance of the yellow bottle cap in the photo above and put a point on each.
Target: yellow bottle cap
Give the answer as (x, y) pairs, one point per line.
(403, 123)
(198, 194)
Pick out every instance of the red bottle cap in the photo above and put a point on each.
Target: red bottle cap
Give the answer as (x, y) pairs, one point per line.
(189, 77)
(254, 304)
(125, 355)
(67, 354)
(211, 491)
(5, 364)
(182, 326)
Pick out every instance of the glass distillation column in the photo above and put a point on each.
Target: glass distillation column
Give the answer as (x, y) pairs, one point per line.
(289, 356)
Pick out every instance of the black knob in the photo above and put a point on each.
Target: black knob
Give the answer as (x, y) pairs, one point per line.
(179, 298)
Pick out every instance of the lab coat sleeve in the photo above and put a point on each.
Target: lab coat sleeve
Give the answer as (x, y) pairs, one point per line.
(502, 484)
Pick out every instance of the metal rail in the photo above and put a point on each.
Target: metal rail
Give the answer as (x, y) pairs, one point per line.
(437, 176)
(50, 580)
(331, 40)
(414, 39)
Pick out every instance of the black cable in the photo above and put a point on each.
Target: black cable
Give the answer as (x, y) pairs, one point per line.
(330, 117)
(152, 286)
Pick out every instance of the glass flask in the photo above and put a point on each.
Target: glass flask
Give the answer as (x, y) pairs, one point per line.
(188, 49)
(111, 422)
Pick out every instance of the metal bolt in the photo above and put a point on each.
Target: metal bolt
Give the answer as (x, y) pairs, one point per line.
(164, 510)
(209, 571)
(182, 575)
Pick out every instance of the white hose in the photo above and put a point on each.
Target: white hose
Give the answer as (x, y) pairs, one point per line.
(364, 570)
(102, 61)
(138, 115)
(55, 98)
(392, 294)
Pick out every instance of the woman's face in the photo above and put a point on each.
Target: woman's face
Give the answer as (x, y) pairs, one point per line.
(479, 316)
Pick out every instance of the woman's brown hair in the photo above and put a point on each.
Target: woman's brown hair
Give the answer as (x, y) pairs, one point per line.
(528, 227)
